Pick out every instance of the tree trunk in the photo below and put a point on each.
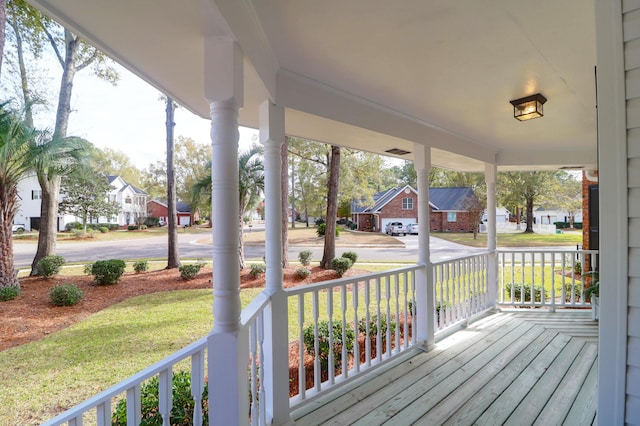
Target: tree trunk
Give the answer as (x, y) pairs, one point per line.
(529, 229)
(49, 182)
(284, 181)
(173, 259)
(332, 209)
(8, 274)
(3, 25)
(241, 260)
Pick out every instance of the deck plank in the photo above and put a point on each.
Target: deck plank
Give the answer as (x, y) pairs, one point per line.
(432, 387)
(509, 367)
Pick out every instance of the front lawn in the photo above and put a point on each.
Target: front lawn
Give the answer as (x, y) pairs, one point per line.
(514, 239)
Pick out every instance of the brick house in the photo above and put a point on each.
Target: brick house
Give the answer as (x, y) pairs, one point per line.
(447, 209)
(158, 208)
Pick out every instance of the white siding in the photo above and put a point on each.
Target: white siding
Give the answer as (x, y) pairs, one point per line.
(631, 28)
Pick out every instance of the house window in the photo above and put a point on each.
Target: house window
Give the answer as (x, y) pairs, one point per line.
(407, 204)
(451, 216)
(112, 198)
(127, 200)
(36, 194)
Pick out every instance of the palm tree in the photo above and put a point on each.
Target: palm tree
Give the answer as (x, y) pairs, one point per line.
(250, 187)
(18, 154)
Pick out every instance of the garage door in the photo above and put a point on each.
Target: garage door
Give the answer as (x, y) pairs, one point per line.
(405, 221)
(184, 220)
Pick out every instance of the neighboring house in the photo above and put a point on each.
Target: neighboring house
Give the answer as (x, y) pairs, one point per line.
(30, 200)
(158, 208)
(448, 212)
(550, 215)
(132, 202)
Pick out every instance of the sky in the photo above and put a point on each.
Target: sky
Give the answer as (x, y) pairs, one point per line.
(130, 117)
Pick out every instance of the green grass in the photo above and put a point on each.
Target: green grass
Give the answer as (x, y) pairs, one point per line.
(514, 239)
(42, 378)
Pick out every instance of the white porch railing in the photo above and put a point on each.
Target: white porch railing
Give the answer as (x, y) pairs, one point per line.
(352, 323)
(548, 279)
(461, 289)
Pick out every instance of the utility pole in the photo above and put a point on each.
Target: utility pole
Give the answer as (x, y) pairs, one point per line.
(173, 259)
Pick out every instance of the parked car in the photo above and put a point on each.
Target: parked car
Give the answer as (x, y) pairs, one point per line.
(18, 228)
(395, 228)
(412, 229)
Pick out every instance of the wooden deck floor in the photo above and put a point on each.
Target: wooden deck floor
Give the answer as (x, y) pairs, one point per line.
(515, 368)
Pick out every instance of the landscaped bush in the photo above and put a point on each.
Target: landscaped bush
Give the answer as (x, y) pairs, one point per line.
(190, 271)
(373, 326)
(256, 270)
(321, 230)
(351, 255)
(49, 266)
(73, 225)
(319, 221)
(107, 272)
(302, 273)
(103, 229)
(341, 265)
(517, 292)
(305, 257)
(183, 403)
(88, 268)
(323, 341)
(9, 292)
(132, 227)
(151, 221)
(141, 266)
(65, 295)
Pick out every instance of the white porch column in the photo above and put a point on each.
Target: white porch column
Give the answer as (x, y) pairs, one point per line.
(424, 278)
(227, 344)
(490, 175)
(276, 343)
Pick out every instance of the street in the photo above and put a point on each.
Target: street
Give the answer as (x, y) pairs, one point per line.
(196, 246)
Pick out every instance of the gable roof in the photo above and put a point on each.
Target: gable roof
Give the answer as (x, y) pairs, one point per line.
(443, 199)
(181, 206)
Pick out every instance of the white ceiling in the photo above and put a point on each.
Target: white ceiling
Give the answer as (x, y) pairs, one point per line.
(378, 74)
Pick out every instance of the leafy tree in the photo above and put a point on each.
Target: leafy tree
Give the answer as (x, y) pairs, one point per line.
(191, 160)
(86, 195)
(524, 188)
(201, 192)
(34, 30)
(566, 194)
(154, 179)
(344, 208)
(250, 188)
(329, 252)
(406, 174)
(116, 163)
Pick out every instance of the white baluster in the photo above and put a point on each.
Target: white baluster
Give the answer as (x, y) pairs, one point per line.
(197, 385)
(165, 395)
(344, 359)
(367, 319)
(103, 414)
(302, 376)
(378, 316)
(134, 407)
(253, 373)
(317, 376)
(332, 358)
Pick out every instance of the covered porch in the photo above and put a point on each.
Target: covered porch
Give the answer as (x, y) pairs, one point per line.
(431, 83)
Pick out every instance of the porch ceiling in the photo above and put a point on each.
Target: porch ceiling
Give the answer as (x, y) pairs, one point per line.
(376, 75)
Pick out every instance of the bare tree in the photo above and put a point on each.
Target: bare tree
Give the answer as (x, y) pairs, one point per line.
(173, 259)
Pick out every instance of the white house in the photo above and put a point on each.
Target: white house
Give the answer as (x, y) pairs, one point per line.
(29, 199)
(132, 202)
(442, 83)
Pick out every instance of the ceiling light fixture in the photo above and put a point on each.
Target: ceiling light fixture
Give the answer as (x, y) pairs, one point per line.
(529, 107)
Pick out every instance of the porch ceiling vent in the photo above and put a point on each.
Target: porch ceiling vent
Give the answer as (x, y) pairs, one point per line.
(398, 151)
(529, 107)
(571, 167)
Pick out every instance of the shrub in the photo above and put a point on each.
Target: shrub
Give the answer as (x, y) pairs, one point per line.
(302, 273)
(323, 342)
(9, 292)
(73, 225)
(319, 221)
(143, 227)
(103, 229)
(183, 403)
(151, 221)
(132, 227)
(141, 266)
(577, 268)
(65, 295)
(110, 226)
(107, 272)
(517, 292)
(321, 230)
(256, 270)
(341, 265)
(373, 326)
(189, 272)
(351, 255)
(305, 257)
(49, 266)
(88, 268)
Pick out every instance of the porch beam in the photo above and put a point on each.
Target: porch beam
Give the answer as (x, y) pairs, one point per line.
(490, 177)
(276, 353)
(425, 331)
(227, 343)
